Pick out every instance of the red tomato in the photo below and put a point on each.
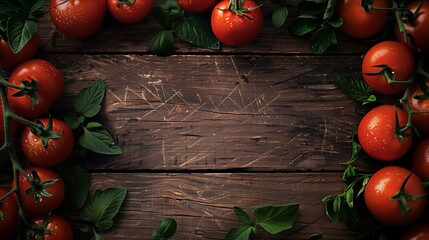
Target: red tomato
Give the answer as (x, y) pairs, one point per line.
(359, 23)
(386, 183)
(59, 227)
(78, 18)
(419, 29)
(235, 29)
(416, 232)
(197, 6)
(50, 86)
(129, 11)
(9, 59)
(47, 204)
(420, 159)
(57, 150)
(420, 120)
(377, 133)
(397, 57)
(9, 223)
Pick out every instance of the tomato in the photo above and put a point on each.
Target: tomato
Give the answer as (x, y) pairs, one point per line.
(416, 232)
(196, 6)
(57, 149)
(9, 59)
(377, 133)
(420, 120)
(420, 159)
(78, 18)
(386, 183)
(418, 29)
(59, 227)
(9, 223)
(397, 57)
(50, 86)
(47, 204)
(129, 11)
(234, 29)
(359, 23)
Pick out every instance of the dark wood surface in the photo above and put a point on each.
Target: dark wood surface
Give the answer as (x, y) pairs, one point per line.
(203, 131)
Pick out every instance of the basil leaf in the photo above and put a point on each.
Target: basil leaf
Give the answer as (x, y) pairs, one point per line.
(166, 230)
(160, 41)
(364, 183)
(241, 233)
(97, 236)
(242, 216)
(311, 8)
(349, 196)
(279, 17)
(97, 139)
(336, 21)
(275, 219)
(7, 9)
(331, 211)
(349, 174)
(88, 101)
(32, 8)
(103, 207)
(196, 30)
(303, 25)
(73, 120)
(20, 31)
(330, 8)
(356, 89)
(322, 39)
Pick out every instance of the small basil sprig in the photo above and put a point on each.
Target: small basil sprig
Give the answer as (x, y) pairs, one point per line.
(280, 13)
(273, 219)
(166, 230)
(359, 91)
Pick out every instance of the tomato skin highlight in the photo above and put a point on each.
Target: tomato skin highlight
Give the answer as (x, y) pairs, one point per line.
(420, 159)
(361, 24)
(59, 226)
(58, 149)
(377, 133)
(197, 6)
(416, 232)
(130, 13)
(9, 59)
(419, 29)
(234, 30)
(9, 224)
(420, 120)
(50, 86)
(386, 183)
(78, 18)
(393, 54)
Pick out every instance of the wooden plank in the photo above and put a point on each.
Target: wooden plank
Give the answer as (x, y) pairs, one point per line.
(215, 112)
(116, 37)
(202, 203)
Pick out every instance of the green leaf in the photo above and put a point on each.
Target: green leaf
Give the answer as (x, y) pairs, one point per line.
(331, 211)
(103, 207)
(88, 101)
(357, 153)
(349, 174)
(349, 196)
(275, 219)
(20, 31)
(310, 8)
(241, 233)
(304, 25)
(166, 230)
(160, 41)
(73, 120)
(242, 216)
(97, 139)
(35, 11)
(336, 21)
(356, 89)
(322, 39)
(7, 9)
(364, 183)
(330, 8)
(196, 30)
(279, 16)
(97, 236)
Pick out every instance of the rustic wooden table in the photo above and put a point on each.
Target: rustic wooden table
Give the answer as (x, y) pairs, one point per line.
(203, 131)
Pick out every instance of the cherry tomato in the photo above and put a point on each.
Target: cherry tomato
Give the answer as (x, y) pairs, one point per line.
(386, 183)
(399, 60)
(420, 120)
(9, 223)
(359, 23)
(57, 149)
(9, 59)
(195, 6)
(418, 29)
(234, 29)
(78, 18)
(420, 159)
(47, 204)
(416, 232)
(129, 11)
(59, 227)
(377, 133)
(50, 86)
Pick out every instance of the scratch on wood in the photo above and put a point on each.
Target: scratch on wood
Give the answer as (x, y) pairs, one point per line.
(195, 110)
(163, 152)
(227, 97)
(262, 156)
(196, 158)
(235, 68)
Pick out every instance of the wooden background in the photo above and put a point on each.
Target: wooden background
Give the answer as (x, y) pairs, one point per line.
(203, 131)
